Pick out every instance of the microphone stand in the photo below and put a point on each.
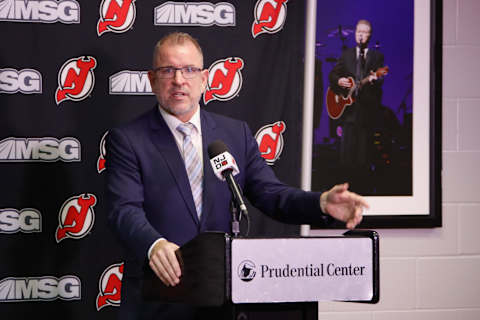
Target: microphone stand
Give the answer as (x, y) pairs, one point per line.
(235, 221)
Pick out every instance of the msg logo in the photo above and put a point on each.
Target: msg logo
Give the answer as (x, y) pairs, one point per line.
(39, 149)
(130, 82)
(40, 11)
(26, 81)
(202, 14)
(25, 220)
(40, 289)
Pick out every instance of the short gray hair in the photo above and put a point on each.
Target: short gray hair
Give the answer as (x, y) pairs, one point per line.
(176, 38)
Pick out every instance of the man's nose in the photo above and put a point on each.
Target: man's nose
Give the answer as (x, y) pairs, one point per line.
(178, 76)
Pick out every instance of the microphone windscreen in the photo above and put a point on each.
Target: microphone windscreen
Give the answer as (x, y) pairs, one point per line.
(216, 147)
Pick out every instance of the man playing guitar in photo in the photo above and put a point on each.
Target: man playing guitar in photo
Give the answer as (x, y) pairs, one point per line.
(354, 97)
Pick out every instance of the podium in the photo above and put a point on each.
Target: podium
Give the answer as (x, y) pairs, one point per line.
(277, 278)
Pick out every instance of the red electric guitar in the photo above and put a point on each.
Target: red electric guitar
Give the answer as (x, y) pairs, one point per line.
(336, 103)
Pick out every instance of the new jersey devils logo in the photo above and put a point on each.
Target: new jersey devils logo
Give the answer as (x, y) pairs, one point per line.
(103, 152)
(76, 217)
(270, 16)
(116, 18)
(76, 79)
(110, 286)
(270, 141)
(224, 80)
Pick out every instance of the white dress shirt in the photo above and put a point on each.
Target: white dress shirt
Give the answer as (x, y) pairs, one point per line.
(173, 122)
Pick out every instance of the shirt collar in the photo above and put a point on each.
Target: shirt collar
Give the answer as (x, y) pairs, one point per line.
(364, 51)
(173, 122)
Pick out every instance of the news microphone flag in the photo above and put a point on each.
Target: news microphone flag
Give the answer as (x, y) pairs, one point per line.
(224, 161)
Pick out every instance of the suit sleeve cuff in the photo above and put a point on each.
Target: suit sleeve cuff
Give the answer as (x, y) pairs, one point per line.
(323, 202)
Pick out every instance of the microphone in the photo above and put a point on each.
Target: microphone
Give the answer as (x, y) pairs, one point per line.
(225, 167)
(221, 160)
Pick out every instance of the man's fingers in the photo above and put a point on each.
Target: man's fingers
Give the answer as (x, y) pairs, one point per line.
(159, 273)
(360, 201)
(339, 188)
(173, 263)
(358, 215)
(168, 269)
(355, 220)
(351, 223)
(165, 270)
(354, 198)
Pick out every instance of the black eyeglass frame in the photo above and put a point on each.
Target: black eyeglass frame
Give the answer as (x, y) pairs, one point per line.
(188, 72)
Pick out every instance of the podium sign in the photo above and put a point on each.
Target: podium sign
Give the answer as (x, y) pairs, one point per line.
(218, 270)
(302, 270)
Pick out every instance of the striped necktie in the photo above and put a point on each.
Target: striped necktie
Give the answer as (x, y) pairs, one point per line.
(192, 164)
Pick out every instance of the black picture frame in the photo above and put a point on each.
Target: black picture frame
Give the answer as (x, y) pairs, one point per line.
(402, 211)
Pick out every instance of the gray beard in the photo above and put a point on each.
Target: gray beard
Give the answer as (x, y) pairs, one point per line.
(176, 112)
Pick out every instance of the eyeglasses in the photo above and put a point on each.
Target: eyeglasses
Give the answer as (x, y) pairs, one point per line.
(169, 72)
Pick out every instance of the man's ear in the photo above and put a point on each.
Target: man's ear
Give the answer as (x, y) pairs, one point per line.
(151, 77)
(204, 75)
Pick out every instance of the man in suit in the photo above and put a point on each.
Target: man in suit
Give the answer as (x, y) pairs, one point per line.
(154, 204)
(359, 119)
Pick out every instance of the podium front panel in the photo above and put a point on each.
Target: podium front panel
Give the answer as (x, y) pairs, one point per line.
(302, 270)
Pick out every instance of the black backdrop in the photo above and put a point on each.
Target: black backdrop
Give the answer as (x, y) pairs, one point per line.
(51, 147)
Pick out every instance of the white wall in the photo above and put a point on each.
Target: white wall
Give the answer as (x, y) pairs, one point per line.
(435, 273)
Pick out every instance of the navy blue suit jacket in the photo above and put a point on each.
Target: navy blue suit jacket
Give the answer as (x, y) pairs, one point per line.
(149, 196)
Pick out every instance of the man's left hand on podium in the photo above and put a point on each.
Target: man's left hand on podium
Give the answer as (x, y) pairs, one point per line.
(164, 262)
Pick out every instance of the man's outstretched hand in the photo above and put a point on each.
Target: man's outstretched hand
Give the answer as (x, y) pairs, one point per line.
(343, 205)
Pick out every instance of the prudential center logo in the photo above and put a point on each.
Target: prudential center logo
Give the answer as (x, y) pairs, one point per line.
(246, 270)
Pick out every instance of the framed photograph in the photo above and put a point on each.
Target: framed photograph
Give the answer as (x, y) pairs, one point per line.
(381, 131)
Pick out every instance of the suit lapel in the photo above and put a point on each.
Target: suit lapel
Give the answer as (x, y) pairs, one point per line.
(369, 61)
(208, 136)
(351, 60)
(163, 139)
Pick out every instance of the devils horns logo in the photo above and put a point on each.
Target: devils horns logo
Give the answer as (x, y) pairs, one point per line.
(110, 286)
(270, 16)
(270, 141)
(76, 217)
(224, 79)
(76, 79)
(103, 152)
(116, 18)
